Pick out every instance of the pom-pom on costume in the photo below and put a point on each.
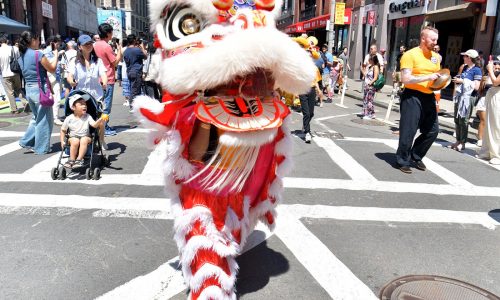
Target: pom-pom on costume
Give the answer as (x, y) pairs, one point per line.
(223, 127)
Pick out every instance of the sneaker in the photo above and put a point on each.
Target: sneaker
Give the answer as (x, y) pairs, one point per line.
(126, 103)
(109, 132)
(495, 161)
(58, 122)
(104, 146)
(321, 104)
(479, 143)
(405, 169)
(78, 163)
(367, 118)
(308, 138)
(420, 165)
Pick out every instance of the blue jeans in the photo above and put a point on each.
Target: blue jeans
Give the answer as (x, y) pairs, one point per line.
(108, 98)
(37, 136)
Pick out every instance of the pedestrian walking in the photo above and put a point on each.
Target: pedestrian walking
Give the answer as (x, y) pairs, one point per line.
(68, 57)
(326, 80)
(34, 67)
(134, 59)
(369, 90)
(491, 140)
(105, 52)
(53, 44)
(151, 72)
(465, 95)
(419, 67)
(486, 84)
(11, 81)
(345, 61)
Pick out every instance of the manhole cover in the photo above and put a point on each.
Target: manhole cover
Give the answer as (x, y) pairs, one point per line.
(428, 287)
(371, 122)
(330, 135)
(4, 124)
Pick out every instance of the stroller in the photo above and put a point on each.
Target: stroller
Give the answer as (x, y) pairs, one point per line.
(92, 166)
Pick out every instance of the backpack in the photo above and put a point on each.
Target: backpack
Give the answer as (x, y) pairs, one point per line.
(13, 63)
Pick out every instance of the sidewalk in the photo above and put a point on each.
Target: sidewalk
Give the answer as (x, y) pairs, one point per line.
(383, 97)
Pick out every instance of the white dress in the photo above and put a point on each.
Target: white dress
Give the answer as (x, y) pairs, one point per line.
(491, 137)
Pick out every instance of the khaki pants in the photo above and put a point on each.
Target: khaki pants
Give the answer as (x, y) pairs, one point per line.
(12, 86)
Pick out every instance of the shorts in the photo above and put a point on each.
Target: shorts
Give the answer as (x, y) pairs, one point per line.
(481, 104)
(66, 84)
(325, 79)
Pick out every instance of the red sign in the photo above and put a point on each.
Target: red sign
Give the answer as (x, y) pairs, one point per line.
(475, 1)
(295, 28)
(371, 20)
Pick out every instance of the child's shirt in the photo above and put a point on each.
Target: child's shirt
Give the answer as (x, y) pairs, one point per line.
(78, 127)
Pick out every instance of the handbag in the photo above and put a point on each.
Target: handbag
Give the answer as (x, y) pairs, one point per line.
(46, 98)
(380, 82)
(13, 63)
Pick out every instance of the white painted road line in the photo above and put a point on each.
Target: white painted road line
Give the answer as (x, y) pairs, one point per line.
(84, 202)
(333, 276)
(378, 214)
(332, 117)
(18, 134)
(345, 161)
(389, 186)
(289, 182)
(440, 171)
(43, 168)
(6, 149)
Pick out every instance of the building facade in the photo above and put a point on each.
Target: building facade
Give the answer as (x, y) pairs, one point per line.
(77, 17)
(42, 16)
(136, 14)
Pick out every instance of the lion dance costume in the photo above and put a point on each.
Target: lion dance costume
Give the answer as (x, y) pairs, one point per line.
(223, 127)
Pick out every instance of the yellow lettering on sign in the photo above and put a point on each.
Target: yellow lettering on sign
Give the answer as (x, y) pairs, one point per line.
(339, 13)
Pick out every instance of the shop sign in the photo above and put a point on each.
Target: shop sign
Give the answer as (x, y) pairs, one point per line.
(47, 10)
(297, 27)
(339, 13)
(407, 8)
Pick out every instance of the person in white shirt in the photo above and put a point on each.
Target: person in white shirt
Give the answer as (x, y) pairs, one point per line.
(54, 42)
(68, 57)
(88, 73)
(373, 51)
(11, 81)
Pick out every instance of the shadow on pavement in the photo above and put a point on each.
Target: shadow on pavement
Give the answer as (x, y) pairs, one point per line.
(389, 158)
(495, 214)
(257, 266)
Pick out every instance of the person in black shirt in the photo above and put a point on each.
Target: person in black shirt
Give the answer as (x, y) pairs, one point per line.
(134, 59)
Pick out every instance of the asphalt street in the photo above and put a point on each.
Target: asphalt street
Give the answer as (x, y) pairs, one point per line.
(350, 221)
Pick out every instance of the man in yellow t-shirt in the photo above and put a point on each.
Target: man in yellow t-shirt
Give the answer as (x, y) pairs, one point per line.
(419, 67)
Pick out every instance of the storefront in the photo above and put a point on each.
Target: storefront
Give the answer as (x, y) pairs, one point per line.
(406, 19)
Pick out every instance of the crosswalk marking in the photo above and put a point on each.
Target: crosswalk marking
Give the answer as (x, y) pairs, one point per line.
(43, 168)
(345, 161)
(333, 276)
(6, 149)
(154, 166)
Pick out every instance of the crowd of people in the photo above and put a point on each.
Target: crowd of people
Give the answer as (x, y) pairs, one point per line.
(94, 64)
(31, 70)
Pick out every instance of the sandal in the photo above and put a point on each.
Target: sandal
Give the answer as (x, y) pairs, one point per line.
(78, 163)
(69, 164)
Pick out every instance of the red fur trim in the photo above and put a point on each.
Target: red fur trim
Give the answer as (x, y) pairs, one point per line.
(217, 204)
(197, 230)
(209, 282)
(270, 218)
(157, 43)
(237, 235)
(205, 256)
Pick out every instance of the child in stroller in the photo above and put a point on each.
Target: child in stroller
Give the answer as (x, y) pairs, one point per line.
(77, 135)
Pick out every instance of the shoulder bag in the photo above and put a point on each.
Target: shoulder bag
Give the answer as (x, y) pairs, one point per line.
(380, 82)
(13, 63)
(46, 98)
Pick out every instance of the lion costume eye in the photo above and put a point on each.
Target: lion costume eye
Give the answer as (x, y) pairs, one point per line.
(181, 21)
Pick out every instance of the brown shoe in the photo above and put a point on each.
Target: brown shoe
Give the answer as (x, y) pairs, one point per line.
(405, 169)
(420, 165)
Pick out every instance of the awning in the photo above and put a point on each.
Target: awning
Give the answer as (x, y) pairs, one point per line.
(8, 25)
(295, 28)
(451, 13)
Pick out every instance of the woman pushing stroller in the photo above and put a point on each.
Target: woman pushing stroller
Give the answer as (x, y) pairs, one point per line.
(79, 134)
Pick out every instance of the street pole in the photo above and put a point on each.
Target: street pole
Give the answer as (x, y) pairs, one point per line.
(331, 30)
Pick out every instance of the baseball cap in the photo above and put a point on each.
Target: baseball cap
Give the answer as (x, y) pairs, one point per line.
(73, 98)
(84, 39)
(470, 53)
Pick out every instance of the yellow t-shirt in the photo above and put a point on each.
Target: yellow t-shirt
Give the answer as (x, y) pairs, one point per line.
(420, 64)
